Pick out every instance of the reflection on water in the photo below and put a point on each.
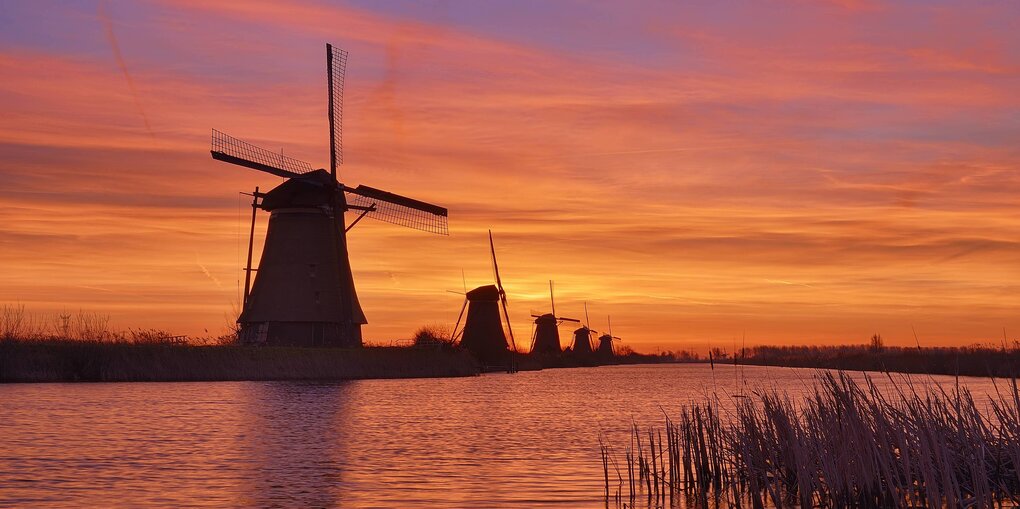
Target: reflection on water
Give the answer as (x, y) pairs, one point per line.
(524, 440)
(296, 441)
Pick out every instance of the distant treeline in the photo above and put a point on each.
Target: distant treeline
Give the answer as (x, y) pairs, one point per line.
(626, 355)
(1001, 361)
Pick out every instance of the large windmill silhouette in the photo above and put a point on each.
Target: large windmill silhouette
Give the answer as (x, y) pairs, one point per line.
(483, 335)
(303, 293)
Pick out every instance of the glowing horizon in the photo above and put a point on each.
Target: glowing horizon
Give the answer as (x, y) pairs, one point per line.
(809, 173)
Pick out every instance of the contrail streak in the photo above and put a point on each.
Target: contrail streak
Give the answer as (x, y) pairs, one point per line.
(112, 39)
(207, 273)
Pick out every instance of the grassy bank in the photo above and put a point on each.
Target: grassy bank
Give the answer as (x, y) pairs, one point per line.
(96, 361)
(967, 361)
(846, 445)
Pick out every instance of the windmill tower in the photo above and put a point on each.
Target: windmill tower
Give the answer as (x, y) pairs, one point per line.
(547, 334)
(582, 337)
(582, 341)
(606, 341)
(483, 334)
(304, 291)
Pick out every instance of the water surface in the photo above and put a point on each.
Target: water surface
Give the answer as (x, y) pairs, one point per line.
(523, 440)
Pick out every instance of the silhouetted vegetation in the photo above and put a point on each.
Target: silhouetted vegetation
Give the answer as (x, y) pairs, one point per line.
(623, 355)
(845, 445)
(1003, 361)
(626, 355)
(18, 324)
(432, 336)
(81, 346)
(95, 361)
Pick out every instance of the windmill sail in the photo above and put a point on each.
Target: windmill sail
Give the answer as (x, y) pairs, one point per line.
(304, 292)
(232, 150)
(502, 293)
(336, 72)
(400, 210)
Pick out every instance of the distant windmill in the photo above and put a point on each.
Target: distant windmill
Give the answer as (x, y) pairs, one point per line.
(547, 334)
(606, 341)
(582, 336)
(483, 334)
(304, 292)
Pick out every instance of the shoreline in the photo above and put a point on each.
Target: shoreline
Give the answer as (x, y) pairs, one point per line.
(59, 361)
(931, 361)
(68, 361)
(71, 361)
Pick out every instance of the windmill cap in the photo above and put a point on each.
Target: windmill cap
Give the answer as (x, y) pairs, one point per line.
(484, 293)
(546, 318)
(308, 190)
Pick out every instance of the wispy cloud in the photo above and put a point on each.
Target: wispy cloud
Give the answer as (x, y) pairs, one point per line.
(111, 37)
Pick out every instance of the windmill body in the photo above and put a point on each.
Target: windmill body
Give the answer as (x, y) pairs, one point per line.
(606, 341)
(547, 332)
(483, 329)
(547, 335)
(304, 293)
(582, 341)
(606, 345)
(605, 348)
(483, 335)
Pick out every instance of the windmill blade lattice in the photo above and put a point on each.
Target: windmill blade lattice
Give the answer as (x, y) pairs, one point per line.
(336, 68)
(232, 150)
(400, 210)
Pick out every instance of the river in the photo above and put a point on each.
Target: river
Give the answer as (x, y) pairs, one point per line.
(525, 440)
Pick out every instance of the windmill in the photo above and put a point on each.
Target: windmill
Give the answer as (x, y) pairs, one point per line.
(582, 336)
(606, 341)
(303, 293)
(483, 334)
(547, 334)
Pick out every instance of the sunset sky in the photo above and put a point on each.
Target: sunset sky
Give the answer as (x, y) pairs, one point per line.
(790, 172)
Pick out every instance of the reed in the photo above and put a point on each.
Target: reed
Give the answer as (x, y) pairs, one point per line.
(846, 445)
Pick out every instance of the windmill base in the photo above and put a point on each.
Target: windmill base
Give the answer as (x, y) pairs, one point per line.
(300, 334)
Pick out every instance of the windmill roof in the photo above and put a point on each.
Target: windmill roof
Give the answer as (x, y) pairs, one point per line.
(311, 189)
(548, 317)
(487, 292)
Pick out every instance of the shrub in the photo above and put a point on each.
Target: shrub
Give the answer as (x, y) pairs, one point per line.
(432, 336)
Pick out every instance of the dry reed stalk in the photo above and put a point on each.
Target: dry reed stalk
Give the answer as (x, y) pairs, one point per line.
(845, 445)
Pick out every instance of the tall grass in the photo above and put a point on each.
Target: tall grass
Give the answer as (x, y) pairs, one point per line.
(66, 347)
(19, 325)
(845, 445)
